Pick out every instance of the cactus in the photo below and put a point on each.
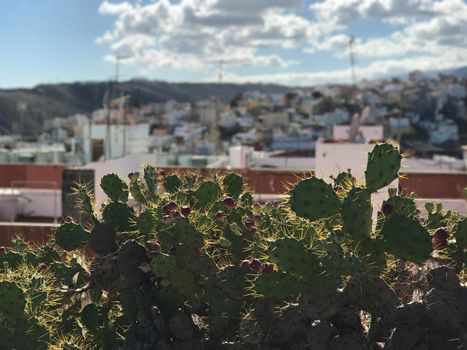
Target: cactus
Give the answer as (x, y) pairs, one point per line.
(278, 285)
(207, 193)
(383, 166)
(114, 187)
(203, 266)
(233, 185)
(136, 188)
(172, 183)
(314, 199)
(357, 212)
(406, 239)
(118, 216)
(461, 234)
(12, 300)
(71, 236)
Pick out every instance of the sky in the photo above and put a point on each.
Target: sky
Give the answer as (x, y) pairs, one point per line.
(292, 42)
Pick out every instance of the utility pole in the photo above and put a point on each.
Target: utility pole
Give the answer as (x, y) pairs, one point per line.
(352, 60)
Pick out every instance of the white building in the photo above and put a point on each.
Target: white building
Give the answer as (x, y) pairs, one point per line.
(114, 141)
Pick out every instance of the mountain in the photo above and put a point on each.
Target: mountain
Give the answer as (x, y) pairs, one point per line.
(59, 100)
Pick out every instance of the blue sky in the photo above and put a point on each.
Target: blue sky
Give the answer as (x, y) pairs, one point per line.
(296, 42)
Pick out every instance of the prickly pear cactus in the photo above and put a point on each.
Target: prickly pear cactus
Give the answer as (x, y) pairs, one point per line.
(357, 213)
(383, 166)
(71, 236)
(114, 187)
(233, 185)
(207, 193)
(12, 301)
(172, 183)
(406, 239)
(314, 199)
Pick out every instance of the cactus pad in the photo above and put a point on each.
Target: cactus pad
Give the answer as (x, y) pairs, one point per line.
(150, 178)
(357, 212)
(291, 255)
(207, 193)
(12, 301)
(233, 185)
(103, 239)
(461, 234)
(172, 183)
(70, 236)
(118, 215)
(163, 265)
(406, 239)
(114, 187)
(383, 166)
(278, 285)
(314, 199)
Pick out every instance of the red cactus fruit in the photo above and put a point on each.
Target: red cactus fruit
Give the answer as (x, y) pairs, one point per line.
(245, 264)
(186, 211)
(229, 202)
(439, 243)
(42, 267)
(219, 214)
(257, 219)
(268, 268)
(249, 223)
(176, 214)
(256, 265)
(2, 251)
(170, 208)
(441, 233)
(253, 230)
(153, 246)
(387, 209)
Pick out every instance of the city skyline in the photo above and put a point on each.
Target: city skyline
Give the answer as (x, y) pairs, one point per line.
(291, 42)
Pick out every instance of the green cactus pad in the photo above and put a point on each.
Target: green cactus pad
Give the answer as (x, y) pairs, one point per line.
(114, 187)
(163, 265)
(290, 255)
(406, 239)
(344, 180)
(146, 222)
(150, 178)
(402, 205)
(207, 193)
(12, 259)
(278, 285)
(183, 231)
(233, 185)
(314, 199)
(136, 190)
(357, 212)
(172, 183)
(118, 215)
(71, 236)
(183, 282)
(383, 166)
(12, 300)
(103, 239)
(91, 317)
(461, 234)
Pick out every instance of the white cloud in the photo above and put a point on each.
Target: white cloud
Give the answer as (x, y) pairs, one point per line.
(376, 70)
(196, 34)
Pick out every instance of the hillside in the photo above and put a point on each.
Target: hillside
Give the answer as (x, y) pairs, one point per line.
(59, 100)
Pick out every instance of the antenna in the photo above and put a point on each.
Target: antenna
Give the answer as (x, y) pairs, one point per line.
(221, 67)
(352, 59)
